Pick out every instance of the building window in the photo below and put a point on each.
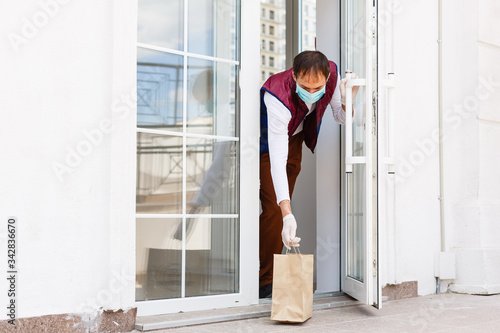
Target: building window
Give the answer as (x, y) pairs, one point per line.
(263, 60)
(271, 45)
(263, 45)
(271, 61)
(263, 14)
(271, 30)
(263, 28)
(306, 25)
(187, 136)
(263, 76)
(271, 14)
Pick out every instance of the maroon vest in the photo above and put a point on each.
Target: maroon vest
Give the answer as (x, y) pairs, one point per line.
(283, 86)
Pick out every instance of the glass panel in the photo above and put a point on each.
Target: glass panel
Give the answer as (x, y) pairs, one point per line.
(355, 222)
(212, 256)
(212, 176)
(159, 90)
(212, 28)
(273, 33)
(158, 259)
(308, 30)
(161, 23)
(211, 98)
(356, 37)
(356, 61)
(159, 174)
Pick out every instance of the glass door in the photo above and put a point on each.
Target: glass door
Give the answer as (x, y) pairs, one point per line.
(359, 218)
(188, 171)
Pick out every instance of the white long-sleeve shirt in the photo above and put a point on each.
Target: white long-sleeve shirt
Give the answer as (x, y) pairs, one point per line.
(278, 117)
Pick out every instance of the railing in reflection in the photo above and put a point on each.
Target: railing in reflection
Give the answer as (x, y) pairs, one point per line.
(211, 175)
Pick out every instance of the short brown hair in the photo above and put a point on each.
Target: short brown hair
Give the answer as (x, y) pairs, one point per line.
(311, 62)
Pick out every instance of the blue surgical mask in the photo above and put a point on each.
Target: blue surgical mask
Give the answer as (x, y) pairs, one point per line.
(308, 97)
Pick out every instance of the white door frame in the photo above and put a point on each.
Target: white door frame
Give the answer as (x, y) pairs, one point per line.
(366, 291)
(249, 81)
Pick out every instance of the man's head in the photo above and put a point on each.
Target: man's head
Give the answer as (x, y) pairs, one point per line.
(311, 70)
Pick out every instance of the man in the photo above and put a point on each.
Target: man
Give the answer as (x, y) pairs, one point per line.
(292, 105)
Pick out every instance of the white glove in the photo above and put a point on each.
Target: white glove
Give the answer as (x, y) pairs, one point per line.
(342, 87)
(288, 232)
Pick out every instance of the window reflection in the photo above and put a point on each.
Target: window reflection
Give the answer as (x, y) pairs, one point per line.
(211, 169)
(159, 90)
(211, 104)
(212, 27)
(161, 22)
(212, 252)
(159, 174)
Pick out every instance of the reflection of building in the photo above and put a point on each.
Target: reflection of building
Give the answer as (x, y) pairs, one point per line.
(273, 37)
(308, 30)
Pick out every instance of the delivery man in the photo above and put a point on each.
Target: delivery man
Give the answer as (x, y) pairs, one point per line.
(292, 105)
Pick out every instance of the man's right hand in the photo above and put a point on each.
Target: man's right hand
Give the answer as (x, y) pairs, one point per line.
(288, 232)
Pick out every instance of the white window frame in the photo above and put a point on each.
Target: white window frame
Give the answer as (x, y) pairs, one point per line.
(249, 79)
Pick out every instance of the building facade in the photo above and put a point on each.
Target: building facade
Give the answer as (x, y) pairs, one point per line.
(131, 152)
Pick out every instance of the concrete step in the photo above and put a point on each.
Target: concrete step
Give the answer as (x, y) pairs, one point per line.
(263, 309)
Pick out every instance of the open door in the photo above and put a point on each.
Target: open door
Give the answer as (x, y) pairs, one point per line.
(360, 276)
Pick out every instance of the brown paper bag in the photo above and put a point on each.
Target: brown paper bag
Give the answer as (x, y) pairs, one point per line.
(292, 299)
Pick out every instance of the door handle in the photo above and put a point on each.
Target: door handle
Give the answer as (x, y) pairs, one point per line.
(349, 159)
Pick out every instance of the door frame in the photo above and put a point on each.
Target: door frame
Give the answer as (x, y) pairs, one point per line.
(368, 291)
(248, 80)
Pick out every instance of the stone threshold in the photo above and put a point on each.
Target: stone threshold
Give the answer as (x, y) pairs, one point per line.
(263, 309)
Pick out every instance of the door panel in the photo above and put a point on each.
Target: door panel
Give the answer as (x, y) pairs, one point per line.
(359, 276)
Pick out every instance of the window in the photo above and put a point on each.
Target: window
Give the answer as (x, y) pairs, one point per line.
(308, 25)
(263, 30)
(263, 13)
(263, 77)
(263, 60)
(274, 39)
(187, 190)
(271, 61)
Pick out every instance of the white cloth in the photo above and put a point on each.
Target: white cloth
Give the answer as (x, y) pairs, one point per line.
(278, 117)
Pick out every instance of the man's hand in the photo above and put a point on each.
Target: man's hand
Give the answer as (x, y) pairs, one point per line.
(288, 232)
(342, 87)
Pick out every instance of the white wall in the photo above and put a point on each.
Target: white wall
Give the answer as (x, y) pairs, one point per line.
(416, 190)
(64, 66)
(471, 91)
(470, 106)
